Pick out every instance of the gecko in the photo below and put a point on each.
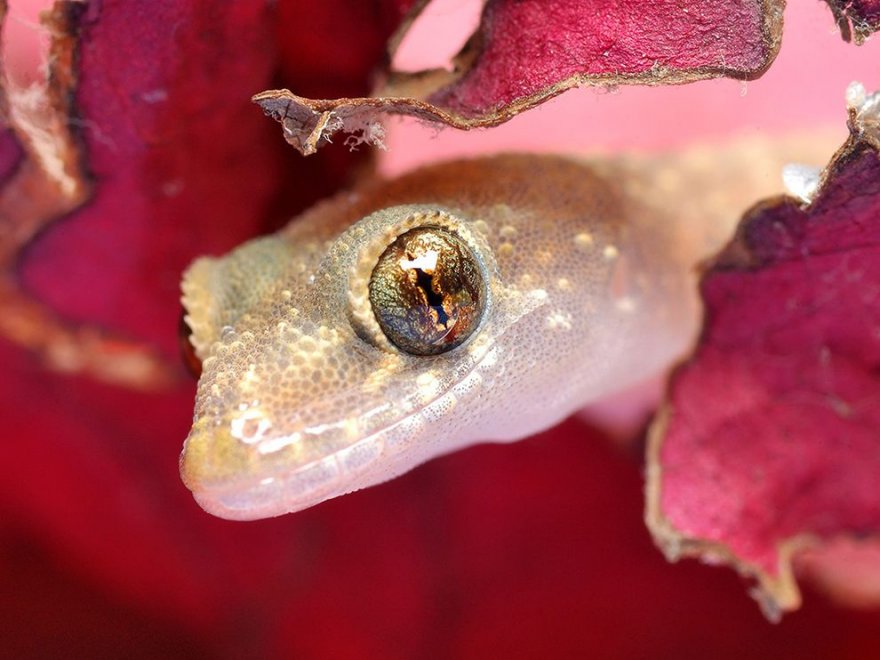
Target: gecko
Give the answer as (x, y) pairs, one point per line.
(470, 301)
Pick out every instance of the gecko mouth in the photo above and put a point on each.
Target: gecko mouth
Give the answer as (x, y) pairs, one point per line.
(398, 444)
(385, 452)
(278, 491)
(343, 471)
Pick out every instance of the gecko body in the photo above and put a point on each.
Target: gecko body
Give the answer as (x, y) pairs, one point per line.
(583, 285)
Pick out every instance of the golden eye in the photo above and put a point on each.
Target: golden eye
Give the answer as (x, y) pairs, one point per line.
(427, 291)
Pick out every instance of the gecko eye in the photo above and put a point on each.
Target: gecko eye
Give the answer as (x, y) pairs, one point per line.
(427, 291)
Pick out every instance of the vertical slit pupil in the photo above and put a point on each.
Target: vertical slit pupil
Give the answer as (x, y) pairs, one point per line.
(435, 300)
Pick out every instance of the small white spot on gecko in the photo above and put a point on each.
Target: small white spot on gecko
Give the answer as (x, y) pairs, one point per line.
(583, 240)
(251, 426)
(559, 321)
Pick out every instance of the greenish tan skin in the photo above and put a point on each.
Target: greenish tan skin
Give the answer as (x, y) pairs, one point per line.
(590, 288)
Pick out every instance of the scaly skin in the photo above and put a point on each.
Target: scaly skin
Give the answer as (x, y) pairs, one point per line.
(590, 278)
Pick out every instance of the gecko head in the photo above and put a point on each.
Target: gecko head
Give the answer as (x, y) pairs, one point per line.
(333, 364)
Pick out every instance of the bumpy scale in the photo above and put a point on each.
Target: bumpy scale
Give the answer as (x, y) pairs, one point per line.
(580, 282)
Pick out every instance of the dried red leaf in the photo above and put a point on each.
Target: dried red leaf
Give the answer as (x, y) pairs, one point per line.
(769, 442)
(857, 19)
(148, 126)
(526, 52)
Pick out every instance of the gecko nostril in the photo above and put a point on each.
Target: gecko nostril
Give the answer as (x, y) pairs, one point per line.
(427, 291)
